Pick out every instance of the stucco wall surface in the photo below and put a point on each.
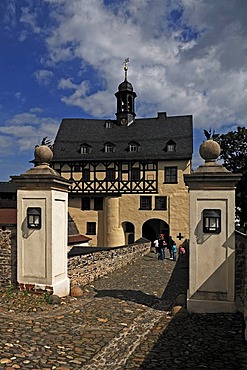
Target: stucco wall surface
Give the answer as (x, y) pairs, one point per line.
(126, 208)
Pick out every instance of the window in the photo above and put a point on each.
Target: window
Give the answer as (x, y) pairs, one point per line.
(135, 174)
(108, 124)
(171, 146)
(133, 147)
(171, 175)
(146, 202)
(85, 204)
(86, 174)
(77, 168)
(150, 166)
(109, 148)
(91, 228)
(161, 203)
(85, 149)
(98, 204)
(110, 174)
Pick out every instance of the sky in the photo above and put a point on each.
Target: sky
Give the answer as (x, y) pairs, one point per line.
(64, 59)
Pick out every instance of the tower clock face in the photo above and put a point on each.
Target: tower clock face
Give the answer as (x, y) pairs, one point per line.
(124, 121)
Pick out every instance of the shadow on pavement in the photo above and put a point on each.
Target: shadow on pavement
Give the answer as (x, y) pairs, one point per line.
(136, 296)
(212, 341)
(177, 284)
(199, 341)
(179, 280)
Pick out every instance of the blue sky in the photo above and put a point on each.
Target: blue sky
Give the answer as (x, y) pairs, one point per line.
(63, 58)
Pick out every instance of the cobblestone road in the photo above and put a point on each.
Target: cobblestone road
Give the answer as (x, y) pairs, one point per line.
(124, 323)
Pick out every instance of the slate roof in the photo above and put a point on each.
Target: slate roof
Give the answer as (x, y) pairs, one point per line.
(7, 187)
(151, 133)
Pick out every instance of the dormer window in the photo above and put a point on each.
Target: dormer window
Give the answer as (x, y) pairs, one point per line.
(109, 148)
(133, 147)
(170, 146)
(85, 149)
(108, 124)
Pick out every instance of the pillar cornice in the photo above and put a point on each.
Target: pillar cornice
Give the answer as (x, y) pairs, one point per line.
(41, 179)
(212, 180)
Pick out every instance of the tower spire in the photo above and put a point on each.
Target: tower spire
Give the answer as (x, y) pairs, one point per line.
(125, 100)
(126, 61)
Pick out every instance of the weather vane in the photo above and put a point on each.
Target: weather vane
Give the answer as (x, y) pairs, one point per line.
(126, 61)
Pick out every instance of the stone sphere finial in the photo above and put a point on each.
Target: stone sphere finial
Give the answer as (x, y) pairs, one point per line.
(209, 150)
(43, 155)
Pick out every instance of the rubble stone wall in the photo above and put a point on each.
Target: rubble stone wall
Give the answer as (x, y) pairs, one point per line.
(84, 269)
(8, 259)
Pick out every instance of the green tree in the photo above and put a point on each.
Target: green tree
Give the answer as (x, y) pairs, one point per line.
(234, 156)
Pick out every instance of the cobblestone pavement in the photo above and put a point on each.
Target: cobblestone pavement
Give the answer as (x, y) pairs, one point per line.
(124, 322)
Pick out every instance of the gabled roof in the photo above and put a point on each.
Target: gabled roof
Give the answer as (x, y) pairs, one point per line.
(151, 133)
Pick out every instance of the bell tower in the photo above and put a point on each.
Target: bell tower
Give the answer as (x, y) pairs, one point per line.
(125, 100)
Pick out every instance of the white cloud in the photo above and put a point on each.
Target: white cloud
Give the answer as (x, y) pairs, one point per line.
(9, 14)
(29, 17)
(36, 110)
(6, 146)
(25, 130)
(20, 97)
(23, 118)
(186, 57)
(43, 76)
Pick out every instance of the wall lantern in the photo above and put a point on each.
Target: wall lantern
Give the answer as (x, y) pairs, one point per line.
(34, 217)
(212, 221)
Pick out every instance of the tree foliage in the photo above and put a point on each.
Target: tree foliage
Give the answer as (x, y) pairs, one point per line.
(234, 156)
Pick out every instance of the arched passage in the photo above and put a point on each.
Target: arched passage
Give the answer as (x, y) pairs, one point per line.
(129, 232)
(154, 227)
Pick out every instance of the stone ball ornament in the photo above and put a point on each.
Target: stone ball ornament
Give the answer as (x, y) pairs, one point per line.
(209, 150)
(42, 154)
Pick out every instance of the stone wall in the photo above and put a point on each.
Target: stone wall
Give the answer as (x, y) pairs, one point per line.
(8, 257)
(84, 269)
(241, 275)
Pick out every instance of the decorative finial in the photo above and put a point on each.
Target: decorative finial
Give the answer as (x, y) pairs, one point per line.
(43, 153)
(126, 61)
(208, 135)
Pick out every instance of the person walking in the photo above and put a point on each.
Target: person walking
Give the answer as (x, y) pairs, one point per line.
(156, 245)
(174, 251)
(169, 246)
(162, 246)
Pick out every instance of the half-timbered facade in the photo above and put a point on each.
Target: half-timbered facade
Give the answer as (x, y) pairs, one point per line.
(126, 173)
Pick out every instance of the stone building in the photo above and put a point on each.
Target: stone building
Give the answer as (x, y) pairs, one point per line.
(126, 173)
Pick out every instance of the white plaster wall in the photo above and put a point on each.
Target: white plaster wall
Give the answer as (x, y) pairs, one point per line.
(32, 245)
(42, 253)
(59, 235)
(212, 263)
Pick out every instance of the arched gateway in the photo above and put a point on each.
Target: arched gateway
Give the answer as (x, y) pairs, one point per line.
(154, 227)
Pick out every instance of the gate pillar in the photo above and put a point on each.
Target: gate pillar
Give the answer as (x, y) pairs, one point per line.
(42, 224)
(212, 240)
